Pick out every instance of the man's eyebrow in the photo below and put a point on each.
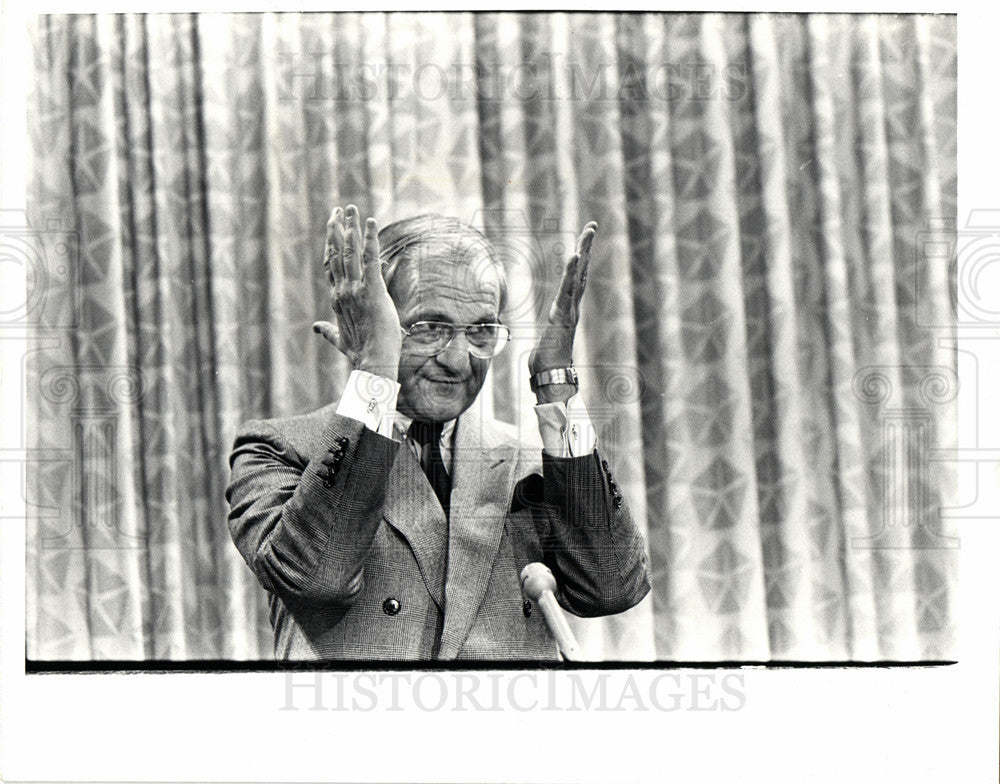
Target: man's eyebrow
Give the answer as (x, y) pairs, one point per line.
(437, 316)
(432, 315)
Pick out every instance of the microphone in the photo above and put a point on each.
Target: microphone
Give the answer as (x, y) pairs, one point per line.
(537, 585)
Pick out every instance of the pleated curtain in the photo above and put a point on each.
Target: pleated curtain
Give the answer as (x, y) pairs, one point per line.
(764, 345)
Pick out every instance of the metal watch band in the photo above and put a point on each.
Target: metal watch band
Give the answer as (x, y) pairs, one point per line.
(564, 375)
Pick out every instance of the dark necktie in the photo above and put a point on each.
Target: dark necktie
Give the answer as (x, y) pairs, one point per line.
(428, 435)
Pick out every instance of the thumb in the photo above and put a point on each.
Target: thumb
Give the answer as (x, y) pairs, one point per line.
(328, 331)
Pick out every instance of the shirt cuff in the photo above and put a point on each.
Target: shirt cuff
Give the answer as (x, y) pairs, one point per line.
(566, 428)
(371, 400)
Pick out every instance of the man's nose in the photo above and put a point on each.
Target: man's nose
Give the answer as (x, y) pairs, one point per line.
(455, 355)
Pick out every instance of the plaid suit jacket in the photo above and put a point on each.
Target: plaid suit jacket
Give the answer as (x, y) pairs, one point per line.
(342, 528)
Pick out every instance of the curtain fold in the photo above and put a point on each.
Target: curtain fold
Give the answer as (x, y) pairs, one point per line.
(766, 348)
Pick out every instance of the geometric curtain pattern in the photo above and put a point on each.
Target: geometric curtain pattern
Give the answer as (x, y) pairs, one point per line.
(764, 345)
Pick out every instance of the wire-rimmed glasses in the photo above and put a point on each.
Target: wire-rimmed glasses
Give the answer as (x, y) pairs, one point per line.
(428, 338)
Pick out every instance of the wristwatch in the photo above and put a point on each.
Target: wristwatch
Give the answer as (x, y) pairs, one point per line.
(563, 375)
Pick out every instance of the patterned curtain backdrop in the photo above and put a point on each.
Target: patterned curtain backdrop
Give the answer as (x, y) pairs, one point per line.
(764, 344)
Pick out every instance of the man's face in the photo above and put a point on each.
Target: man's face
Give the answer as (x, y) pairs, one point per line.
(433, 287)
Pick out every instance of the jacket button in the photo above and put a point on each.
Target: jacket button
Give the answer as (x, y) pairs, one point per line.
(391, 606)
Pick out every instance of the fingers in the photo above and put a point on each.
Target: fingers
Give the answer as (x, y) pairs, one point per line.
(329, 332)
(372, 260)
(563, 302)
(352, 243)
(586, 238)
(346, 250)
(583, 246)
(566, 305)
(333, 260)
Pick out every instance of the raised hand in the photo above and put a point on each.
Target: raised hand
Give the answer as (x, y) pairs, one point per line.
(367, 329)
(555, 346)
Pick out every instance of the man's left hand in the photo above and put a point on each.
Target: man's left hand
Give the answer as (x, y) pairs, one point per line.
(555, 346)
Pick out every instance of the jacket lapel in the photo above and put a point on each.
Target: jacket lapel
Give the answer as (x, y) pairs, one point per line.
(483, 471)
(412, 509)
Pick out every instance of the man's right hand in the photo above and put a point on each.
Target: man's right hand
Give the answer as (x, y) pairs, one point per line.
(367, 329)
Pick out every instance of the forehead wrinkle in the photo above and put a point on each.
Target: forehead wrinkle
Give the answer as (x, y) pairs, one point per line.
(420, 290)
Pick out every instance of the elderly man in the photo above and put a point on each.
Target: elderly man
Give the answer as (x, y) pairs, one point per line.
(394, 523)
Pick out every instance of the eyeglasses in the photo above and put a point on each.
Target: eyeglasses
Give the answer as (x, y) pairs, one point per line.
(428, 338)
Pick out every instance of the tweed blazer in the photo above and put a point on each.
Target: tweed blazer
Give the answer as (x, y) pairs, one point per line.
(342, 528)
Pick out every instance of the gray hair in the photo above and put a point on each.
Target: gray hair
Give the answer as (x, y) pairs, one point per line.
(398, 241)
